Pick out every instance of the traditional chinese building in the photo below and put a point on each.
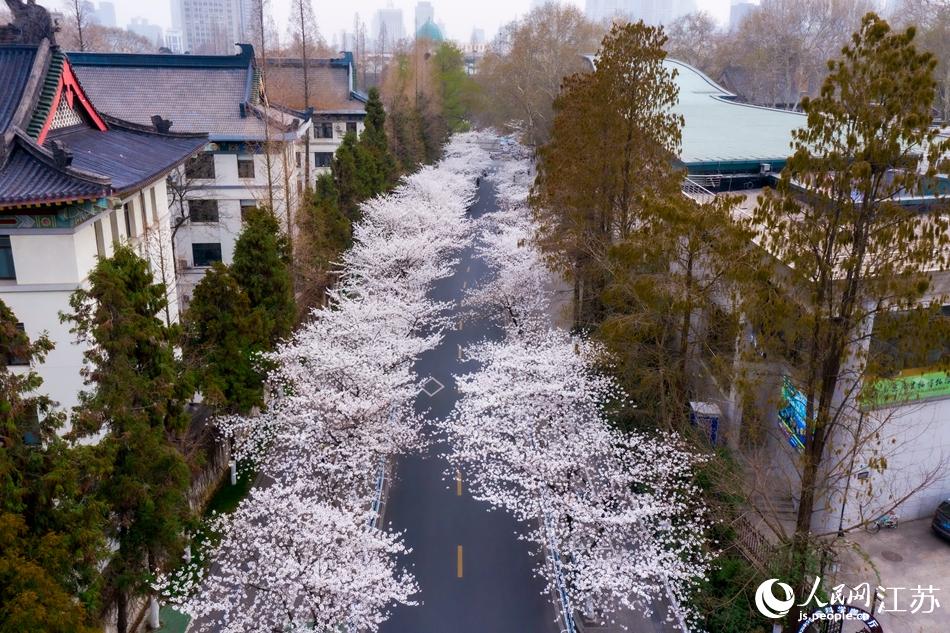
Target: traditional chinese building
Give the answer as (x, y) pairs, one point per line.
(254, 156)
(336, 106)
(74, 182)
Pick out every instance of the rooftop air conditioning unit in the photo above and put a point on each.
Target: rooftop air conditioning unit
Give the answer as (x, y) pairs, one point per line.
(765, 168)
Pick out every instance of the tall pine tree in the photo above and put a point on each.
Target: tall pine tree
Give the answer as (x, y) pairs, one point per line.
(134, 407)
(261, 267)
(51, 538)
(375, 141)
(221, 338)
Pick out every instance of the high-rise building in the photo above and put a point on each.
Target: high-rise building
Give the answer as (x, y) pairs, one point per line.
(174, 41)
(104, 14)
(738, 13)
(424, 13)
(387, 28)
(650, 11)
(151, 32)
(213, 26)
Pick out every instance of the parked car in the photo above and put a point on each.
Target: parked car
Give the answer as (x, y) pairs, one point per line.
(941, 522)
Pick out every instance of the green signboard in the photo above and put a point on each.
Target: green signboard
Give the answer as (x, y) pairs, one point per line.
(911, 386)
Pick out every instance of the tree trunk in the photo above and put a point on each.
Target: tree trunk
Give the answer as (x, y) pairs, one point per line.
(122, 612)
(687, 318)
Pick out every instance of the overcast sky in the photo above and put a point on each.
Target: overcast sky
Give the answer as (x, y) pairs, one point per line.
(459, 16)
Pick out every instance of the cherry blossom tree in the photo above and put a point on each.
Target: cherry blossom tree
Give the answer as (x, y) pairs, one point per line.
(287, 562)
(299, 553)
(531, 433)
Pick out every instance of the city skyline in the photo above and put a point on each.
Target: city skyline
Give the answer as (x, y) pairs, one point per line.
(332, 18)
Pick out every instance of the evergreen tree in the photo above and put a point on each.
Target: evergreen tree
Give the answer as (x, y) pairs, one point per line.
(853, 254)
(220, 339)
(261, 268)
(51, 538)
(355, 175)
(611, 151)
(135, 408)
(376, 143)
(324, 233)
(456, 87)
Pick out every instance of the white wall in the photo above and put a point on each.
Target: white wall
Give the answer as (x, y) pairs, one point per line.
(51, 266)
(915, 442)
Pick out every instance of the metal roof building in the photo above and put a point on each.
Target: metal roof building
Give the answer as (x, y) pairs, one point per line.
(724, 138)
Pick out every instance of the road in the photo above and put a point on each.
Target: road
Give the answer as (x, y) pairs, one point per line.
(473, 572)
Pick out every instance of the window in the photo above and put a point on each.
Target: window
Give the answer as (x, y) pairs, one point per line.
(114, 225)
(205, 254)
(7, 271)
(201, 166)
(127, 215)
(323, 130)
(298, 160)
(246, 207)
(100, 239)
(203, 210)
(15, 354)
(245, 167)
(323, 159)
(154, 205)
(351, 127)
(142, 211)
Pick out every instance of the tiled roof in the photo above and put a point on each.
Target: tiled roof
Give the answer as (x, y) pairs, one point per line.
(16, 62)
(30, 175)
(211, 94)
(48, 88)
(131, 157)
(330, 88)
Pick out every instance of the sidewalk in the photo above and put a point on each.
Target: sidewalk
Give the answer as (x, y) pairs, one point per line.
(905, 558)
(630, 622)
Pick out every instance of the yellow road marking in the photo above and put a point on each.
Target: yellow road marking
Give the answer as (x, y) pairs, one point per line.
(459, 574)
(458, 483)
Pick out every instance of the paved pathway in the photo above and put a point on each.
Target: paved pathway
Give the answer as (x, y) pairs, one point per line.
(474, 573)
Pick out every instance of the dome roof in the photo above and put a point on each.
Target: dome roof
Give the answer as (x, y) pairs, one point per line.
(430, 31)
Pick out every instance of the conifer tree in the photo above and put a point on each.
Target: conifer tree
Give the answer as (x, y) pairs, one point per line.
(51, 538)
(261, 267)
(221, 338)
(855, 256)
(611, 150)
(135, 408)
(376, 143)
(355, 175)
(325, 232)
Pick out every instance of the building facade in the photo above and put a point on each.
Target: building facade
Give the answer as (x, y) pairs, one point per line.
(736, 148)
(335, 106)
(250, 161)
(73, 183)
(213, 26)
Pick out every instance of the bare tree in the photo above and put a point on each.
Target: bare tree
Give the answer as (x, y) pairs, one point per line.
(180, 188)
(523, 69)
(78, 13)
(693, 39)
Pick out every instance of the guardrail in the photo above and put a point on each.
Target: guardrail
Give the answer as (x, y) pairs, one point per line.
(697, 192)
(554, 557)
(377, 504)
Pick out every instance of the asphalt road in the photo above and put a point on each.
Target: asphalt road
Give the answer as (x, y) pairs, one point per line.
(474, 574)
